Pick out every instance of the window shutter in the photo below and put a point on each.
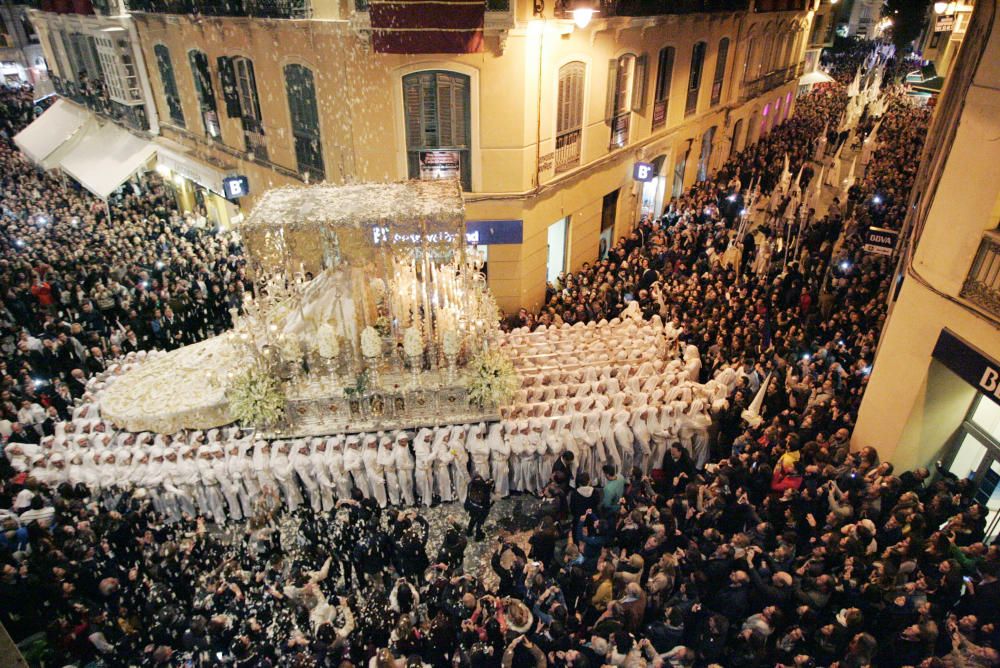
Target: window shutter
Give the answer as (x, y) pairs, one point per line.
(460, 129)
(414, 112)
(227, 79)
(639, 84)
(609, 102)
(446, 110)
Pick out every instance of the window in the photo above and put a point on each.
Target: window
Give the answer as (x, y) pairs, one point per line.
(206, 94)
(694, 80)
(170, 94)
(704, 160)
(249, 103)
(437, 110)
(569, 115)
(661, 93)
(300, 88)
(747, 70)
(626, 92)
(720, 70)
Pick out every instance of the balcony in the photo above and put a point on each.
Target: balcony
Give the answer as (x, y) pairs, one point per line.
(982, 285)
(64, 6)
(96, 100)
(769, 81)
(661, 7)
(261, 9)
(780, 5)
(567, 150)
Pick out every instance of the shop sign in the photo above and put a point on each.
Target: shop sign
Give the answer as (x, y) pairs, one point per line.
(494, 232)
(659, 114)
(945, 23)
(440, 165)
(643, 171)
(235, 187)
(880, 241)
(972, 366)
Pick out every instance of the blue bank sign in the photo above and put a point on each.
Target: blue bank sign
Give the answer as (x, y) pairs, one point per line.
(494, 232)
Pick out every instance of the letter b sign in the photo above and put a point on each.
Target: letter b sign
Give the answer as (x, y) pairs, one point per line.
(643, 171)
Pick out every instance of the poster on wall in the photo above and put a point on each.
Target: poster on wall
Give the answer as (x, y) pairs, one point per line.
(440, 165)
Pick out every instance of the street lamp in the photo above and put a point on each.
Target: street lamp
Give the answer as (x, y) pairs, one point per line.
(582, 11)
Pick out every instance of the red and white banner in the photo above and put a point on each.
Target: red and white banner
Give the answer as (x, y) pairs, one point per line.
(427, 26)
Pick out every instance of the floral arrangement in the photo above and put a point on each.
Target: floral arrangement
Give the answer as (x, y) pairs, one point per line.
(378, 289)
(256, 398)
(371, 342)
(413, 342)
(327, 343)
(451, 343)
(291, 350)
(383, 326)
(494, 380)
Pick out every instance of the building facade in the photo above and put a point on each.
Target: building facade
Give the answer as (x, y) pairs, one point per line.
(863, 20)
(21, 56)
(934, 391)
(544, 125)
(942, 38)
(93, 59)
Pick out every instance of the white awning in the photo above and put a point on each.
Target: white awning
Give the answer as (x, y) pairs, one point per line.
(815, 77)
(43, 89)
(106, 158)
(177, 158)
(50, 136)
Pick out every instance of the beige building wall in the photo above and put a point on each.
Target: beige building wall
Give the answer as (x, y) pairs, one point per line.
(911, 405)
(514, 93)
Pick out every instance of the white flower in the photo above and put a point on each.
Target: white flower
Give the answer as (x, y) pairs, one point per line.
(291, 350)
(371, 342)
(451, 343)
(413, 342)
(327, 342)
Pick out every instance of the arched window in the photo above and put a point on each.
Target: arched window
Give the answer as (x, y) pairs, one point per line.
(569, 115)
(720, 70)
(748, 62)
(206, 93)
(661, 93)
(694, 78)
(300, 88)
(170, 93)
(437, 109)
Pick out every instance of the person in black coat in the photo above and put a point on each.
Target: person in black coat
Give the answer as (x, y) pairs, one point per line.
(478, 504)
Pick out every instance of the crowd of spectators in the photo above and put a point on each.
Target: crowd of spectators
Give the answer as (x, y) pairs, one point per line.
(78, 289)
(788, 550)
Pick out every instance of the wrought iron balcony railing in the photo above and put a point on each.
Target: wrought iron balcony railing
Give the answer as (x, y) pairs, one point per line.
(263, 9)
(567, 150)
(982, 285)
(94, 98)
(660, 7)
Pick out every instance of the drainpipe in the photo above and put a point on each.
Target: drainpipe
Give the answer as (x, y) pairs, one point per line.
(538, 105)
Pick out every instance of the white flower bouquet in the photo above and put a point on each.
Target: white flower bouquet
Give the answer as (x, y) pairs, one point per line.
(291, 350)
(413, 342)
(256, 398)
(327, 343)
(451, 343)
(494, 379)
(371, 342)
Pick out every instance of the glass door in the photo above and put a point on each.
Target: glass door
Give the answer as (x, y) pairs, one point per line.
(976, 457)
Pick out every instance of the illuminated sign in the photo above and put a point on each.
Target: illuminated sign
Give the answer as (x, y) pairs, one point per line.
(234, 187)
(643, 171)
